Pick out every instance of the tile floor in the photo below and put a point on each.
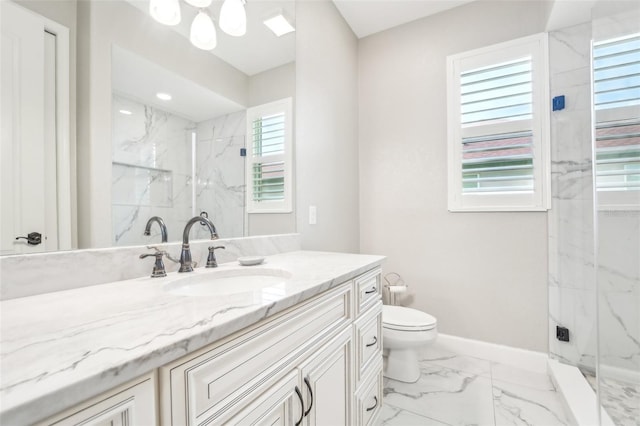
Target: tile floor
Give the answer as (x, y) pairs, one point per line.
(461, 390)
(621, 400)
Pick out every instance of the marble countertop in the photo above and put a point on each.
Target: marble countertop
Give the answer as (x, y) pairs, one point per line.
(57, 349)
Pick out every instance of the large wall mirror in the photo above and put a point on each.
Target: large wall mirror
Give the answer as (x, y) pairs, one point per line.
(134, 153)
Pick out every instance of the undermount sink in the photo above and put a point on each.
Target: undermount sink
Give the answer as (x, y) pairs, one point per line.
(228, 281)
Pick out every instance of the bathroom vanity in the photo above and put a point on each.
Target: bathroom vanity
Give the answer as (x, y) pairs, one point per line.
(304, 349)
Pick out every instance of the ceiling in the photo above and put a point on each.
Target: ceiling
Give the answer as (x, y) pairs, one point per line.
(259, 49)
(139, 79)
(366, 17)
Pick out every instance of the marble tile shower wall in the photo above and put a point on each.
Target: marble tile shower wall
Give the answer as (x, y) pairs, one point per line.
(151, 152)
(220, 187)
(572, 286)
(618, 277)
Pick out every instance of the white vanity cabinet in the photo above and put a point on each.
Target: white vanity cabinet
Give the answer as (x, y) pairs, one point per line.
(133, 403)
(297, 367)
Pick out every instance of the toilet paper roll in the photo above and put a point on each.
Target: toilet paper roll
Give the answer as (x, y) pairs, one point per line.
(397, 288)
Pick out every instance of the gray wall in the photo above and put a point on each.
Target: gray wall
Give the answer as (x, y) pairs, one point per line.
(326, 128)
(483, 275)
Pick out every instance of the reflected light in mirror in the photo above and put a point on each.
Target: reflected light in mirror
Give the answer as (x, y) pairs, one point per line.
(166, 12)
(199, 3)
(233, 18)
(203, 32)
(125, 112)
(163, 96)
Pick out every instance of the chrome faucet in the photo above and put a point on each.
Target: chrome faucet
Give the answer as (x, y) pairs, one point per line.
(163, 227)
(185, 255)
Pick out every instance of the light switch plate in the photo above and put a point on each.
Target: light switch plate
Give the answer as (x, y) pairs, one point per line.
(313, 215)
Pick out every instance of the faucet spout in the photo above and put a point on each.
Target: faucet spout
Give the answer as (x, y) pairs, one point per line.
(186, 264)
(163, 227)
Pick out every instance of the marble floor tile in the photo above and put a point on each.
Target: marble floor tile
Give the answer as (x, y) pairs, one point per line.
(393, 416)
(621, 400)
(477, 366)
(449, 396)
(521, 405)
(519, 376)
(460, 390)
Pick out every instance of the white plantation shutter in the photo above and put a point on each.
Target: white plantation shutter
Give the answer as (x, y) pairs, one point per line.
(269, 157)
(616, 80)
(498, 127)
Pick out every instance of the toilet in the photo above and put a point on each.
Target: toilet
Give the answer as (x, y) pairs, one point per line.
(404, 332)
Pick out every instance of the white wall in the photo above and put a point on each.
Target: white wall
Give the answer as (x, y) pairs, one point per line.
(483, 275)
(326, 128)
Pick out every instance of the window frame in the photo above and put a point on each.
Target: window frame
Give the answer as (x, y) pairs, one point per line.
(270, 206)
(540, 198)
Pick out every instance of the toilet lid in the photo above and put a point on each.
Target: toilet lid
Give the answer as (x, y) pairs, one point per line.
(401, 318)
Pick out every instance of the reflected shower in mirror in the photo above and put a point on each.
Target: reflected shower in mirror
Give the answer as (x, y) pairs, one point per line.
(173, 156)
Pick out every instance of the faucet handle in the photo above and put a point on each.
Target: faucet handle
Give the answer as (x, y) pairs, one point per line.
(212, 262)
(158, 267)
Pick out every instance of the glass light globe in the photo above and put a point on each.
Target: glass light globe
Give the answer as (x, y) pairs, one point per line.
(166, 12)
(203, 32)
(199, 3)
(233, 18)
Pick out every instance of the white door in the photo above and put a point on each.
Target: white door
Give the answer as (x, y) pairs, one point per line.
(29, 135)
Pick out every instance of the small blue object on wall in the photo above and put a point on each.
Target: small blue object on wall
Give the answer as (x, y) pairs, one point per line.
(558, 103)
(243, 152)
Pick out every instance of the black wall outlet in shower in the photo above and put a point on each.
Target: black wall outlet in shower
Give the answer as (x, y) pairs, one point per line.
(562, 333)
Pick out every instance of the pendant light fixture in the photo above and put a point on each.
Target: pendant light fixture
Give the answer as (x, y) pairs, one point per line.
(199, 3)
(166, 12)
(203, 32)
(233, 18)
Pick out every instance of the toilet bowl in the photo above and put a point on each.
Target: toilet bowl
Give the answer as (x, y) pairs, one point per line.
(404, 332)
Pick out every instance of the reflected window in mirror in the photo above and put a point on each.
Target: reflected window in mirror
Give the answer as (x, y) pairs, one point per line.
(269, 157)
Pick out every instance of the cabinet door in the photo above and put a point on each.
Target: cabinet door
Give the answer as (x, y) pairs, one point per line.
(280, 404)
(130, 404)
(327, 382)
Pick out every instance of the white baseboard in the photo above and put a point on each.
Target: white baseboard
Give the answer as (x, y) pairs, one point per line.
(521, 358)
(579, 398)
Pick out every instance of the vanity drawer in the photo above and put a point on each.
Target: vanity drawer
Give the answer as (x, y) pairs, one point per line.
(367, 288)
(369, 398)
(368, 340)
(216, 378)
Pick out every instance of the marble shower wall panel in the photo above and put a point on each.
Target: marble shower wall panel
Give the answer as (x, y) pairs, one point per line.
(571, 247)
(152, 155)
(619, 292)
(220, 172)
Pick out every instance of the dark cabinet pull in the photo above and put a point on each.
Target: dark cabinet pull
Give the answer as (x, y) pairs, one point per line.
(375, 340)
(373, 290)
(374, 405)
(306, 382)
(301, 406)
(33, 239)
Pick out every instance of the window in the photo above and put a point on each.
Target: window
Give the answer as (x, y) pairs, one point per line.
(616, 83)
(498, 135)
(269, 133)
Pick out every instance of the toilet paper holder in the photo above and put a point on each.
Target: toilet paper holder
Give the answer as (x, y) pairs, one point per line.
(395, 284)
